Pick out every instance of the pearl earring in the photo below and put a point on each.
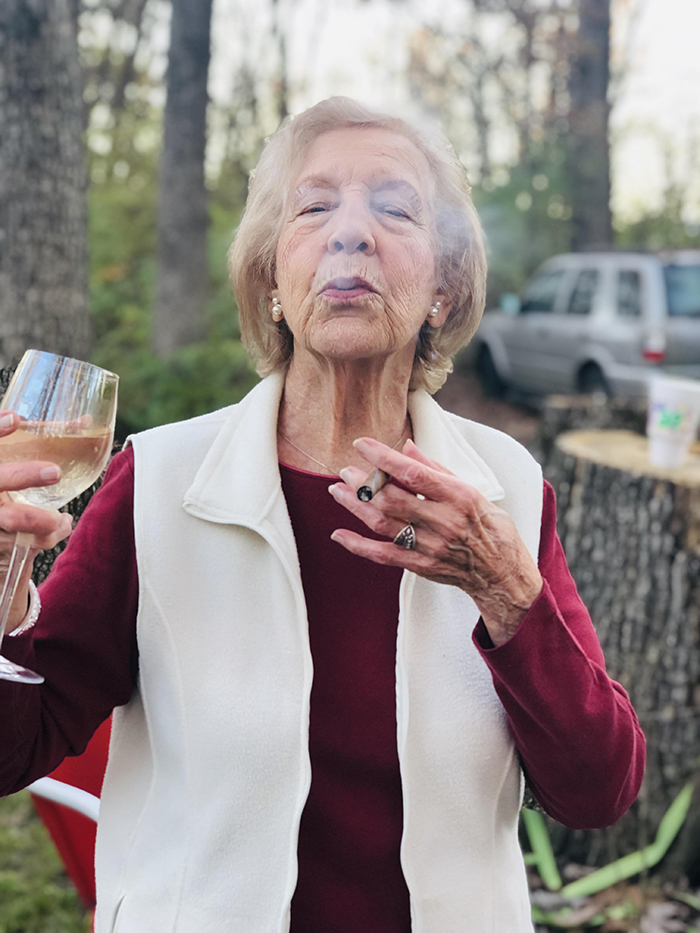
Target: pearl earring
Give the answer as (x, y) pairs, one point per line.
(435, 310)
(277, 313)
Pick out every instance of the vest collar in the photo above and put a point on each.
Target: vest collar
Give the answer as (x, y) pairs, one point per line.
(239, 480)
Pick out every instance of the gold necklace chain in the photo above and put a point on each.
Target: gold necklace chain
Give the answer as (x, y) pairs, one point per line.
(327, 469)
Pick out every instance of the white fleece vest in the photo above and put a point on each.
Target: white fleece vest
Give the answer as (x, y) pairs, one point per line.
(209, 768)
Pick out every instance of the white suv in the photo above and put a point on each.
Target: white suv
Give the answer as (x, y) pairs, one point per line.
(596, 322)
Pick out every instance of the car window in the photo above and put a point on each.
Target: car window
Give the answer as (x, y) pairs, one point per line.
(629, 293)
(582, 296)
(541, 292)
(683, 290)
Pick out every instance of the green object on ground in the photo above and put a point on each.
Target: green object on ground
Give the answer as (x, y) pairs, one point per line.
(636, 862)
(542, 856)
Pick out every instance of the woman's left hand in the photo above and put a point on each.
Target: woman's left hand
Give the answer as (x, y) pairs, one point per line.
(462, 538)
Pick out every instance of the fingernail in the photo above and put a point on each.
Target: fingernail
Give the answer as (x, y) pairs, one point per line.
(6, 420)
(364, 442)
(50, 474)
(345, 475)
(335, 537)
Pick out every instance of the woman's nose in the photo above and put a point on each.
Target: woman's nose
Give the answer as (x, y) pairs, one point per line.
(352, 232)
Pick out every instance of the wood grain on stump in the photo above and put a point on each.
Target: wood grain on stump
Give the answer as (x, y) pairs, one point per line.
(631, 532)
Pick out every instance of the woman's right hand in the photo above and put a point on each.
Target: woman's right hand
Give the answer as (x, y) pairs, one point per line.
(47, 526)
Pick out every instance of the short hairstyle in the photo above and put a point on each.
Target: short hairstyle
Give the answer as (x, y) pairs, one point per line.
(460, 260)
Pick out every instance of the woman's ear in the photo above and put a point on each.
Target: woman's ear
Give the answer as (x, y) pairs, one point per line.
(439, 310)
(276, 309)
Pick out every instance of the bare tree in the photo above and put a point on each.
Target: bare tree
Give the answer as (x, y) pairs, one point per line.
(589, 159)
(182, 276)
(107, 75)
(561, 44)
(43, 213)
(497, 81)
(132, 12)
(280, 39)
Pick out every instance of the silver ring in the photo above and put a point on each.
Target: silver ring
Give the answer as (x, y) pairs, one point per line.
(406, 538)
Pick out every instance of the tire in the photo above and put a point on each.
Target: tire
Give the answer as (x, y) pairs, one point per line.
(491, 383)
(591, 381)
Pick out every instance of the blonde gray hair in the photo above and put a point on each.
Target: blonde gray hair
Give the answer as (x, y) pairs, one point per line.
(460, 260)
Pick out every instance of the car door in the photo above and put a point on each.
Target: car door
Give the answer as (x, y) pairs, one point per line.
(527, 336)
(683, 322)
(570, 331)
(624, 335)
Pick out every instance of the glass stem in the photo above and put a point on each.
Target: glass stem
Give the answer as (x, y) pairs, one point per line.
(20, 551)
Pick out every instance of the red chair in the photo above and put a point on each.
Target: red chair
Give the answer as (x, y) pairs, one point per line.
(71, 816)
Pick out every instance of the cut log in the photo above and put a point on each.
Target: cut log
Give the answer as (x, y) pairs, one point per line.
(631, 532)
(562, 413)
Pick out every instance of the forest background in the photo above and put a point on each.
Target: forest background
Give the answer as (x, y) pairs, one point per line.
(532, 93)
(129, 128)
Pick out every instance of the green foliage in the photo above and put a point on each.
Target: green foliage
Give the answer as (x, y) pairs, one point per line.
(526, 216)
(191, 381)
(664, 230)
(35, 894)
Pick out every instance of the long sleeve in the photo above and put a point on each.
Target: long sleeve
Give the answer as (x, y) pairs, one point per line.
(578, 737)
(84, 643)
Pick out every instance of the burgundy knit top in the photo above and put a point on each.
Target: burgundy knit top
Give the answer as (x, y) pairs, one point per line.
(575, 730)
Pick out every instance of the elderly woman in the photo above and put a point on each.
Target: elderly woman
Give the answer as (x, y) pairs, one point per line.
(325, 705)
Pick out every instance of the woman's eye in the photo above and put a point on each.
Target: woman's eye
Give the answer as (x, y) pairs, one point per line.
(395, 212)
(315, 209)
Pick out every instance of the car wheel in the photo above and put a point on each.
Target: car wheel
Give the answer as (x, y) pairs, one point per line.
(591, 381)
(491, 383)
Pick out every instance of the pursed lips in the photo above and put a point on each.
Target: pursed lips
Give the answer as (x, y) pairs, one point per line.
(347, 287)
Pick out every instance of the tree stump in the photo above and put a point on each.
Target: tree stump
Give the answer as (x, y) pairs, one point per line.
(562, 413)
(631, 532)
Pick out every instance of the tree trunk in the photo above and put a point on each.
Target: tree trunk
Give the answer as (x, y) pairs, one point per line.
(182, 278)
(631, 533)
(589, 158)
(43, 212)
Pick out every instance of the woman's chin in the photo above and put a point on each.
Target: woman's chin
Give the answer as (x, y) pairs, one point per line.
(345, 340)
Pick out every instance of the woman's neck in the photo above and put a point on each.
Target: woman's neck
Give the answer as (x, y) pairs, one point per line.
(327, 405)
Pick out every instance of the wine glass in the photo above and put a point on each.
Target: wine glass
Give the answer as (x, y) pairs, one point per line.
(67, 410)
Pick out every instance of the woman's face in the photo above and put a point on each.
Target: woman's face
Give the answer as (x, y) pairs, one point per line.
(356, 257)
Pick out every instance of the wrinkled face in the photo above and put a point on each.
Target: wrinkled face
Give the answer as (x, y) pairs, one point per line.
(356, 258)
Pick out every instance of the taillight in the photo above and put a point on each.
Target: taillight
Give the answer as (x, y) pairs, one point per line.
(654, 349)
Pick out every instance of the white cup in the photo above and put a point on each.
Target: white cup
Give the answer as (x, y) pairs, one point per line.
(672, 421)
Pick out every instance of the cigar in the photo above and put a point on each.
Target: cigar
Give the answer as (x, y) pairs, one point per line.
(372, 484)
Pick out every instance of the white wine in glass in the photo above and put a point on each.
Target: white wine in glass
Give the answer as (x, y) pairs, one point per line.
(67, 410)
